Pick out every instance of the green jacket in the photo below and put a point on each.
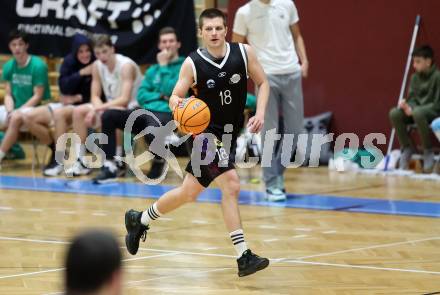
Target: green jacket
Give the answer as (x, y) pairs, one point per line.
(424, 89)
(157, 86)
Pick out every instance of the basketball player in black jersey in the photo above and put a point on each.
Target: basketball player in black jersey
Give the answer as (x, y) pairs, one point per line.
(218, 75)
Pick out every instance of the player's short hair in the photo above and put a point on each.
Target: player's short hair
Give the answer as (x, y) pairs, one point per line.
(101, 40)
(17, 34)
(211, 13)
(424, 51)
(168, 30)
(92, 258)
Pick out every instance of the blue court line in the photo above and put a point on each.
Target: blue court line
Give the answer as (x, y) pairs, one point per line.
(138, 190)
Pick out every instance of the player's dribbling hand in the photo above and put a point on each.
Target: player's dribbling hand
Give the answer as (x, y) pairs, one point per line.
(255, 123)
(175, 101)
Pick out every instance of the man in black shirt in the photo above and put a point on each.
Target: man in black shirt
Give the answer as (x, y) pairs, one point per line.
(218, 76)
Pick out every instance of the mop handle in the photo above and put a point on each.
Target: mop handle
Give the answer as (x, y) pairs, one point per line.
(405, 78)
(408, 61)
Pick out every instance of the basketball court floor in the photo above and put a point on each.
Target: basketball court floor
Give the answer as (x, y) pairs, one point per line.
(336, 234)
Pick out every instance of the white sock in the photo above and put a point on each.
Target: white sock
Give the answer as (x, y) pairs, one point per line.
(2, 155)
(237, 238)
(119, 151)
(110, 165)
(150, 214)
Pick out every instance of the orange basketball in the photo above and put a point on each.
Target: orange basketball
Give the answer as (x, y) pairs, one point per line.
(194, 116)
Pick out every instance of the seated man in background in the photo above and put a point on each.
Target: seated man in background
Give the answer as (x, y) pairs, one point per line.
(119, 77)
(74, 83)
(27, 83)
(93, 265)
(153, 95)
(420, 107)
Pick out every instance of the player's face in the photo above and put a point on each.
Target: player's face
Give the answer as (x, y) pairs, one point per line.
(84, 54)
(169, 42)
(18, 47)
(213, 32)
(104, 53)
(421, 64)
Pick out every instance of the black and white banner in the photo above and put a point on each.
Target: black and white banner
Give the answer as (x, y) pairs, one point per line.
(132, 24)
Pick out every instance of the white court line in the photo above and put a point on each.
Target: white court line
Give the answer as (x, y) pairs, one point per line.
(192, 273)
(165, 219)
(303, 229)
(60, 269)
(33, 240)
(369, 247)
(231, 256)
(189, 253)
(271, 240)
(210, 248)
(276, 260)
(329, 232)
(150, 257)
(6, 208)
(35, 210)
(299, 236)
(200, 222)
(140, 249)
(31, 273)
(363, 267)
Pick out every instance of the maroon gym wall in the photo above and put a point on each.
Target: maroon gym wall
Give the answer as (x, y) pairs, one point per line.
(357, 51)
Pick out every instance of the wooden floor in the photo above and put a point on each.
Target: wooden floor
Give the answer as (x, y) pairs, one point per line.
(189, 252)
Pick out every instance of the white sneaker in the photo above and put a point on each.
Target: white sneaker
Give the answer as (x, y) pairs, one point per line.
(275, 195)
(78, 169)
(54, 170)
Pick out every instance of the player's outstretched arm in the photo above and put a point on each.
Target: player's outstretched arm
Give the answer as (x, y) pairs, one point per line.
(186, 79)
(257, 74)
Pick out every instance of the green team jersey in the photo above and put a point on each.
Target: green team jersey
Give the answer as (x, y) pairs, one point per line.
(24, 79)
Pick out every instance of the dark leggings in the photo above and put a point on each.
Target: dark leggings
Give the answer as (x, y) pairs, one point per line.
(421, 116)
(116, 119)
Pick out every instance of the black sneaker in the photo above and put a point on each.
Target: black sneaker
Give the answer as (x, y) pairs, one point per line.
(105, 176)
(250, 263)
(135, 230)
(156, 169)
(52, 162)
(122, 168)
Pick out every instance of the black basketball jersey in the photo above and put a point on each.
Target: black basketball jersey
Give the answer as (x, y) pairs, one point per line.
(222, 85)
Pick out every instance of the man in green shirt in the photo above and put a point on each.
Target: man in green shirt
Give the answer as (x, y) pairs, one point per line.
(27, 83)
(421, 107)
(153, 95)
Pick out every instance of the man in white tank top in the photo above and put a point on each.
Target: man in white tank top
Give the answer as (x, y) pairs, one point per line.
(119, 77)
